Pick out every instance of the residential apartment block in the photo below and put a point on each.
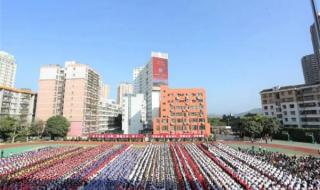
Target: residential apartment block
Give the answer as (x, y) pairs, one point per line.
(182, 111)
(8, 69)
(18, 103)
(147, 80)
(72, 91)
(50, 92)
(294, 106)
(123, 89)
(133, 113)
(108, 114)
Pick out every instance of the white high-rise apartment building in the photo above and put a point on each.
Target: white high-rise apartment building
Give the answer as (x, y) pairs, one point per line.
(8, 69)
(123, 89)
(17, 103)
(133, 113)
(147, 81)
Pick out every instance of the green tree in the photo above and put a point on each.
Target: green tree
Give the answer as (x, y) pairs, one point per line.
(216, 122)
(7, 127)
(11, 128)
(252, 125)
(37, 128)
(57, 126)
(270, 125)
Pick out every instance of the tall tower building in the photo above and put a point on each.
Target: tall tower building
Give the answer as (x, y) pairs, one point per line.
(315, 29)
(50, 92)
(8, 69)
(123, 89)
(147, 80)
(72, 91)
(311, 68)
(311, 63)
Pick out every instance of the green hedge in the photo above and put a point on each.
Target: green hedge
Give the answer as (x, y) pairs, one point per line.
(280, 136)
(299, 134)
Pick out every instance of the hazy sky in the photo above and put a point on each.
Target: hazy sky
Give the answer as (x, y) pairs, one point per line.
(232, 48)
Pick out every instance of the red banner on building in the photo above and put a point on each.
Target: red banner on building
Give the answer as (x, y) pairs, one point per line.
(160, 70)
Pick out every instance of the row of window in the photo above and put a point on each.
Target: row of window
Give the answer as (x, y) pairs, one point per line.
(283, 106)
(198, 114)
(180, 120)
(305, 119)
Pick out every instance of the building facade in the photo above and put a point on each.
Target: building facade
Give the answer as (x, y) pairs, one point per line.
(311, 69)
(293, 106)
(311, 63)
(104, 91)
(72, 91)
(18, 103)
(8, 69)
(182, 111)
(133, 113)
(147, 80)
(123, 89)
(109, 113)
(50, 92)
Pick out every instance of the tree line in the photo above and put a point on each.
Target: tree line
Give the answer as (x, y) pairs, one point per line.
(11, 129)
(250, 125)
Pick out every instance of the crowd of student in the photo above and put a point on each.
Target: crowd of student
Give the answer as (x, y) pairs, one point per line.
(55, 167)
(306, 168)
(157, 166)
(278, 173)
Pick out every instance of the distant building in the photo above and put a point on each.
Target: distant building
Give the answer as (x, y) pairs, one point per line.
(311, 63)
(133, 113)
(293, 106)
(104, 91)
(123, 89)
(108, 113)
(147, 81)
(182, 111)
(17, 103)
(8, 69)
(72, 91)
(311, 69)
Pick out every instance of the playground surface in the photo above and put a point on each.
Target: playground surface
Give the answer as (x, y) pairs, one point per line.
(286, 147)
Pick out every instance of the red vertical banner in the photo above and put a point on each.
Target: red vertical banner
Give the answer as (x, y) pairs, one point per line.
(160, 71)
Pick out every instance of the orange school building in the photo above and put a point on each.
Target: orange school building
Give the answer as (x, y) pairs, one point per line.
(182, 111)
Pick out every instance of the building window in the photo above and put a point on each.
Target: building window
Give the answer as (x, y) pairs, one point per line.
(293, 119)
(293, 113)
(266, 113)
(284, 106)
(291, 105)
(265, 107)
